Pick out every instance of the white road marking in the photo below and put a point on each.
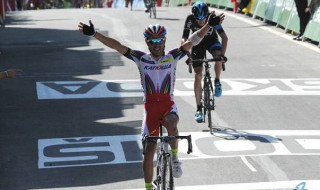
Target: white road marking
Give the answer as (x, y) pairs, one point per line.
(247, 163)
(132, 88)
(309, 185)
(273, 171)
(226, 146)
(309, 143)
(288, 185)
(52, 151)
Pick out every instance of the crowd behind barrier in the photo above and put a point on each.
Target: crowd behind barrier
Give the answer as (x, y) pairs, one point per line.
(281, 12)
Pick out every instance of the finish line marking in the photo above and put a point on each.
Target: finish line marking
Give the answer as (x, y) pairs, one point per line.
(103, 150)
(183, 87)
(308, 185)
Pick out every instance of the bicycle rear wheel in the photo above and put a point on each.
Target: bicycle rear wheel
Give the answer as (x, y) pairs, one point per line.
(166, 175)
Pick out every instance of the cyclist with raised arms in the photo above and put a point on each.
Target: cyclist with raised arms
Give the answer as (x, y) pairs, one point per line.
(157, 72)
(210, 43)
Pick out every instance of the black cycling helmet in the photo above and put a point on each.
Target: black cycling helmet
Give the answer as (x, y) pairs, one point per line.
(154, 30)
(200, 10)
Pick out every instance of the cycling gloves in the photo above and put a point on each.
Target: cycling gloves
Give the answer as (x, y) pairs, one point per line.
(215, 20)
(89, 30)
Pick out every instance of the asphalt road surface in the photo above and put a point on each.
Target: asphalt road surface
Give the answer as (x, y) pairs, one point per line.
(71, 120)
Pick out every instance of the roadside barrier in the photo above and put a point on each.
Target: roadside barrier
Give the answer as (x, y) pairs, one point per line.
(5, 6)
(281, 12)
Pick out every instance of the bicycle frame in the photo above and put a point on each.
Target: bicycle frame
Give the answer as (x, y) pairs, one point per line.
(164, 164)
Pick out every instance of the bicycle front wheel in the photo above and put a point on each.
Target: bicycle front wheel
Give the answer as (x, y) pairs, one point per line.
(166, 175)
(208, 101)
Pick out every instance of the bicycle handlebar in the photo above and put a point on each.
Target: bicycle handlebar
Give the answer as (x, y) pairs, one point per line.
(210, 60)
(206, 60)
(221, 58)
(166, 139)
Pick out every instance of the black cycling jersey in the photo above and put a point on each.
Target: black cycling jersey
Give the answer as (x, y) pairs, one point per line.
(210, 41)
(191, 24)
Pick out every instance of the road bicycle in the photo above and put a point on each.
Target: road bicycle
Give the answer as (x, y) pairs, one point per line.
(207, 89)
(164, 176)
(152, 9)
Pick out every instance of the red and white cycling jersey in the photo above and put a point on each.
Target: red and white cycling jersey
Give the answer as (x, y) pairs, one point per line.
(157, 80)
(157, 76)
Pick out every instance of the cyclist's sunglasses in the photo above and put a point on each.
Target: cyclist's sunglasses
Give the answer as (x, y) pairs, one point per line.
(156, 41)
(201, 18)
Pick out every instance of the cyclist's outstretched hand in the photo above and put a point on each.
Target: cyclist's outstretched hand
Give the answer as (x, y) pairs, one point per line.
(87, 30)
(215, 20)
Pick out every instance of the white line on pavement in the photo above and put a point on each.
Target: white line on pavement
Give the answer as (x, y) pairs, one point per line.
(308, 185)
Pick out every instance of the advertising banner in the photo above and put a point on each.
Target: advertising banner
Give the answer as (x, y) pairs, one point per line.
(273, 11)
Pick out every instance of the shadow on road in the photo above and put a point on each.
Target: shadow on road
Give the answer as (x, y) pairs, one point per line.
(55, 55)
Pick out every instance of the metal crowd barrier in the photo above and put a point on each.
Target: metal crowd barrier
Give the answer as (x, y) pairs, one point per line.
(281, 12)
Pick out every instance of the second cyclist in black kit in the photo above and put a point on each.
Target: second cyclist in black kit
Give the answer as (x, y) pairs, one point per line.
(210, 43)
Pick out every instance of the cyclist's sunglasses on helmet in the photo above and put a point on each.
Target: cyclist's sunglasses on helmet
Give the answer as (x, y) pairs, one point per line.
(156, 41)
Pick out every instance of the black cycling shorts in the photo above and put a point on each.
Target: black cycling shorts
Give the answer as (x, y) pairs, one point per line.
(199, 51)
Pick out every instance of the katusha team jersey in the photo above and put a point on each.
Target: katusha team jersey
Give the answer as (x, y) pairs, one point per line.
(157, 76)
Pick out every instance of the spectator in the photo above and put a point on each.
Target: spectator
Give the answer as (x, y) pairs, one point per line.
(243, 5)
(147, 5)
(107, 3)
(240, 5)
(10, 73)
(235, 5)
(304, 13)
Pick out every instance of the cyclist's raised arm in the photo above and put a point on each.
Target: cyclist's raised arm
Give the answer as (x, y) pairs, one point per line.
(224, 42)
(110, 42)
(186, 30)
(196, 37)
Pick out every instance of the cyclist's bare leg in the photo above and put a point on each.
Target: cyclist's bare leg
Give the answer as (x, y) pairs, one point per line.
(197, 84)
(147, 164)
(218, 69)
(218, 64)
(170, 122)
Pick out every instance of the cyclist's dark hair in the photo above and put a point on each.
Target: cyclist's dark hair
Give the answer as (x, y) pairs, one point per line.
(200, 10)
